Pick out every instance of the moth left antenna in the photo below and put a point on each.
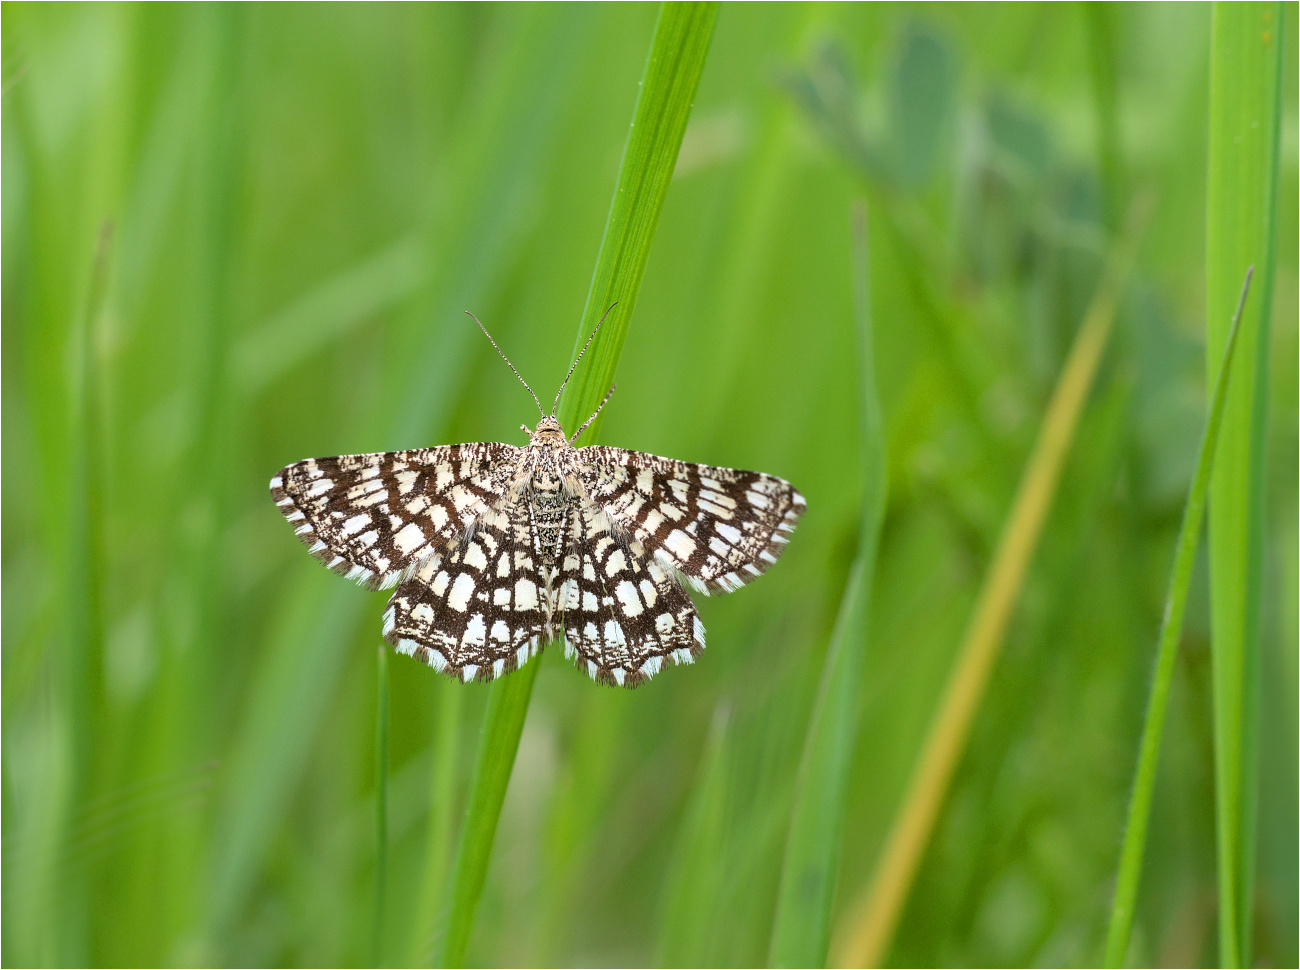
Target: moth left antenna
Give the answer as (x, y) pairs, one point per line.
(507, 360)
(574, 365)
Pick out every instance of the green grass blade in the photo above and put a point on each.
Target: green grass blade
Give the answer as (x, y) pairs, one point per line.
(381, 801)
(1102, 21)
(426, 919)
(1241, 205)
(1139, 810)
(84, 617)
(869, 928)
(327, 312)
(672, 74)
(801, 929)
(503, 723)
(696, 871)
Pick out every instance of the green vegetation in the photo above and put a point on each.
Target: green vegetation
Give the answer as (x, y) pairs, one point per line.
(1241, 205)
(1129, 875)
(982, 640)
(239, 235)
(801, 923)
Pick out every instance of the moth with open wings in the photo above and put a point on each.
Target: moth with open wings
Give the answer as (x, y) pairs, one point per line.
(496, 549)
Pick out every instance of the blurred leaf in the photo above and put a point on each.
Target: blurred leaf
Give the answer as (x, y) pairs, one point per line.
(695, 871)
(1019, 136)
(810, 870)
(827, 92)
(922, 101)
(328, 312)
(1102, 23)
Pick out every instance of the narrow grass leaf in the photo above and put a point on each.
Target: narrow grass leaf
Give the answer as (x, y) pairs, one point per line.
(801, 928)
(381, 801)
(328, 312)
(80, 658)
(696, 869)
(1241, 207)
(672, 74)
(1171, 628)
(1102, 21)
(426, 919)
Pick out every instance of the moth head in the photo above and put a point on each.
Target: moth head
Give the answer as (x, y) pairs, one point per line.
(548, 432)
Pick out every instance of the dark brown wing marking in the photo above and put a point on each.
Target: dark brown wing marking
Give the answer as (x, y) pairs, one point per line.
(478, 612)
(718, 527)
(625, 616)
(375, 517)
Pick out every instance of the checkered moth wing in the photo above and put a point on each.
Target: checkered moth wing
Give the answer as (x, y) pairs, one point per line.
(717, 527)
(624, 615)
(376, 517)
(482, 609)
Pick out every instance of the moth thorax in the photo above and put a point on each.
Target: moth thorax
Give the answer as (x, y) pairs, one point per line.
(546, 481)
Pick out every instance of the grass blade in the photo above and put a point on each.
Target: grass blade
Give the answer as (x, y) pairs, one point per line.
(322, 315)
(503, 723)
(426, 919)
(84, 618)
(1139, 811)
(1102, 22)
(381, 801)
(801, 929)
(672, 74)
(696, 870)
(874, 919)
(1241, 205)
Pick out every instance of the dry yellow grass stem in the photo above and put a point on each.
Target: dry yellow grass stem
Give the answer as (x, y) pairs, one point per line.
(863, 939)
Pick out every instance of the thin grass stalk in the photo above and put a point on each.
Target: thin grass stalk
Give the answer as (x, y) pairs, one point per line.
(697, 866)
(868, 933)
(1103, 28)
(186, 715)
(426, 921)
(1139, 810)
(802, 925)
(672, 74)
(1241, 207)
(381, 802)
(503, 724)
(69, 905)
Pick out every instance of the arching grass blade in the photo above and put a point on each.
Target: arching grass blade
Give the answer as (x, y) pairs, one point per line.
(1139, 810)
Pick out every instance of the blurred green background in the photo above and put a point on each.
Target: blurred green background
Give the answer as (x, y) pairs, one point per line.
(301, 200)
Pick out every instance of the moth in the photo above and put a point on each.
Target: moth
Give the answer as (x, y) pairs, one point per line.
(495, 549)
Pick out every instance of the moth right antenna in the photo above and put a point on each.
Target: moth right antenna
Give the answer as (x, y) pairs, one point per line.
(608, 394)
(507, 360)
(574, 365)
